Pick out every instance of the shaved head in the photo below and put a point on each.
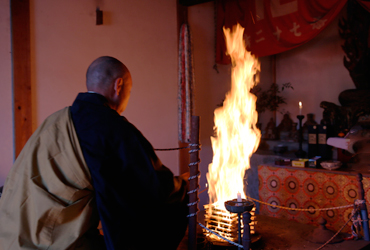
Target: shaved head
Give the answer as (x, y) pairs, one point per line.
(103, 71)
(110, 77)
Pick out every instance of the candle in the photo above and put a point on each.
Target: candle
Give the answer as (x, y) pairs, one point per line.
(239, 197)
(300, 108)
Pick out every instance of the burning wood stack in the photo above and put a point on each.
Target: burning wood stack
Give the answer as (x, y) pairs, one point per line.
(225, 223)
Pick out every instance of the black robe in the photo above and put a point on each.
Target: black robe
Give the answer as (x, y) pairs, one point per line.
(140, 203)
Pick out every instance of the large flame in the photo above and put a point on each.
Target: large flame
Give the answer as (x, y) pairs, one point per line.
(236, 136)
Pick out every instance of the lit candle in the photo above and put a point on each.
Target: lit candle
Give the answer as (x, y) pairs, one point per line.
(300, 108)
(239, 195)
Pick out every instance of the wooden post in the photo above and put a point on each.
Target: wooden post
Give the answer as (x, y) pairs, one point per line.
(363, 212)
(21, 57)
(193, 183)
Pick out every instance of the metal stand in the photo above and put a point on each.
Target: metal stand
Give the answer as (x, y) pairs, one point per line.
(246, 231)
(243, 207)
(300, 153)
(193, 183)
(364, 216)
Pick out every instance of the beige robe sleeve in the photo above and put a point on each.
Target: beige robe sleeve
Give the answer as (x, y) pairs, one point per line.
(48, 200)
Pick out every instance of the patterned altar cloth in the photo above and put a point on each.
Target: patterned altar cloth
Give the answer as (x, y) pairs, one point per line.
(309, 188)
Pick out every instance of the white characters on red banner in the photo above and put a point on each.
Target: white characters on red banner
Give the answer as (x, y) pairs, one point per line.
(295, 29)
(277, 33)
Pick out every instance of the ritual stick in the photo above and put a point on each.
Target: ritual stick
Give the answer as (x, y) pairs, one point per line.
(363, 209)
(193, 183)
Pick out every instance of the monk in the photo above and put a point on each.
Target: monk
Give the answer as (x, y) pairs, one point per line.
(86, 163)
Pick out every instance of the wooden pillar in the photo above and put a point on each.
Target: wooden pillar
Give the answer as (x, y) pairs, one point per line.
(193, 183)
(22, 106)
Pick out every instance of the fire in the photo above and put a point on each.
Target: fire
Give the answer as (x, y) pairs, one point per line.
(236, 136)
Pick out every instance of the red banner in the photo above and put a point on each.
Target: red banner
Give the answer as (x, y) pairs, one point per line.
(273, 26)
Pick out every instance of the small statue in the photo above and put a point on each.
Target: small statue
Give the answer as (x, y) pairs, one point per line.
(270, 131)
(285, 127)
(294, 133)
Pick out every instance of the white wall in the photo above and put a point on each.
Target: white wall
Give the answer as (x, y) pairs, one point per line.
(65, 40)
(6, 120)
(316, 72)
(210, 86)
(142, 34)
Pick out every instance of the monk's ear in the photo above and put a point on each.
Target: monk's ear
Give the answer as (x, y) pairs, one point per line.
(118, 86)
